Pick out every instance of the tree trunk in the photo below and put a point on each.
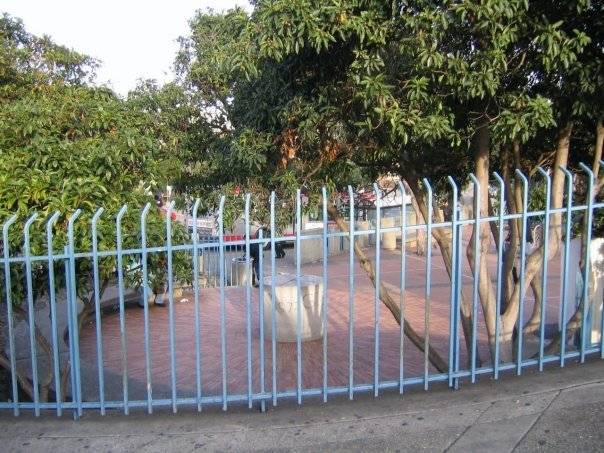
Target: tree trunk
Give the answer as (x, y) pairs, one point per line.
(534, 261)
(486, 292)
(534, 322)
(577, 319)
(85, 316)
(435, 359)
(444, 242)
(420, 234)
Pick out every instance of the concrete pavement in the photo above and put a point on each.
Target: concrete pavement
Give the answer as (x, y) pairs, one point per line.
(557, 410)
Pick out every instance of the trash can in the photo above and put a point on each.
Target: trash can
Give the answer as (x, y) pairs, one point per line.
(286, 307)
(241, 272)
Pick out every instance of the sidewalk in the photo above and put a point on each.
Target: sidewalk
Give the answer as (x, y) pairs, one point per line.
(558, 410)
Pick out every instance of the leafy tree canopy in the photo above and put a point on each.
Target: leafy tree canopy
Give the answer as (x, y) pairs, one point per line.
(68, 145)
(326, 92)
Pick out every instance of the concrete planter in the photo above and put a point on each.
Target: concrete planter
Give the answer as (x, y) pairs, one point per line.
(286, 307)
(596, 285)
(388, 239)
(362, 240)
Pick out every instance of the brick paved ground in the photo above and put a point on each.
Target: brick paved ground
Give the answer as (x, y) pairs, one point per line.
(338, 357)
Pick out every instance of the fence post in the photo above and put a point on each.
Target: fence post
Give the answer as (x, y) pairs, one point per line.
(261, 318)
(97, 309)
(298, 299)
(428, 291)
(454, 281)
(401, 332)
(522, 271)
(545, 263)
(74, 313)
(476, 272)
(587, 256)
(31, 314)
(223, 345)
(53, 312)
(248, 296)
(324, 301)
(196, 305)
(143, 223)
(378, 281)
(500, 281)
(273, 311)
(351, 293)
(121, 289)
(602, 317)
(569, 206)
(9, 309)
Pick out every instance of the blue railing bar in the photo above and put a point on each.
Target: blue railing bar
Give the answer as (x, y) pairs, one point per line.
(248, 296)
(53, 314)
(335, 234)
(401, 333)
(587, 257)
(324, 320)
(351, 294)
(223, 345)
(452, 332)
(332, 234)
(74, 313)
(561, 292)
(171, 305)
(440, 377)
(602, 317)
(9, 309)
(298, 299)
(31, 315)
(548, 191)
(261, 318)
(458, 299)
(120, 279)
(97, 309)
(72, 371)
(520, 340)
(273, 311)
(569, 201)
(146, 306)
(500, 281)
(427, 294)
(378, 281)
(196, 305)
(476, 273)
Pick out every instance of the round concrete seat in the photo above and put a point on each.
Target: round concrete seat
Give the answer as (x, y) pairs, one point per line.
(286, 307)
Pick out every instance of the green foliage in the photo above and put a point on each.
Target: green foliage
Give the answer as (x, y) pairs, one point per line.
(65, 145)
(306, 92)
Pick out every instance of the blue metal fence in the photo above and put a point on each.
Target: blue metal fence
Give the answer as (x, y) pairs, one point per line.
(22, 351)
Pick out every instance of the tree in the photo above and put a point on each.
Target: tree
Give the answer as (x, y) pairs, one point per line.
(308, 93)
(67, 145)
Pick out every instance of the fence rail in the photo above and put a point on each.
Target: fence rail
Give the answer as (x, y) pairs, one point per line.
(219, 342)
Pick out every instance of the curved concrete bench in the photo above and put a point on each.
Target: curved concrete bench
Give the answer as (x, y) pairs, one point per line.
(286, 307)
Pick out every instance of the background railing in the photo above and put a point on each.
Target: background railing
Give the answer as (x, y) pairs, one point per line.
(72, 341)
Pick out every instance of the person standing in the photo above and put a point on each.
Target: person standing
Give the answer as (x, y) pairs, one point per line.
(255, 250)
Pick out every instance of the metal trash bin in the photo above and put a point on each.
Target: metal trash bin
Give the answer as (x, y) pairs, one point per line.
(241, 272)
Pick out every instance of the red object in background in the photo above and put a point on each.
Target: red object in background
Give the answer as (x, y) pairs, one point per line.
(237, 190)
(232, 237)
(173, 216)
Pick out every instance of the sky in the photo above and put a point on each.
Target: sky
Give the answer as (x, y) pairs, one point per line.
(132, 38)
